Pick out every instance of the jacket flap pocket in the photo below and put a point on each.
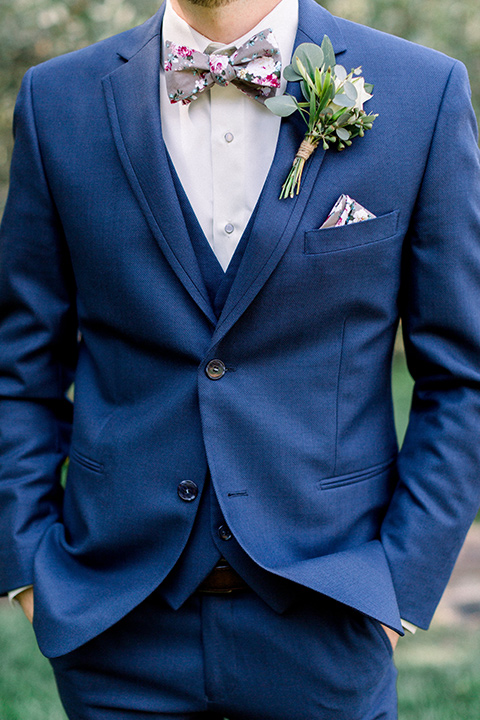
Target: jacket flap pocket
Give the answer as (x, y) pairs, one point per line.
(352, 235)
(85, 461)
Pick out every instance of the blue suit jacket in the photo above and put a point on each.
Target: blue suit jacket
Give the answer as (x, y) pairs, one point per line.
(299, 433)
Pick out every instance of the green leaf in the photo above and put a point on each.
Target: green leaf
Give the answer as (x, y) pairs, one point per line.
(305, 91)
(328, 52)
(343, 119)
(328, 90)
(318, 82)
(350, 91)
(310, 56)
(369, 88)
(291, 75)
(343, 134)
(312, 105)
(340, 72)
(306, 77)
(343, 101)
(282, 105)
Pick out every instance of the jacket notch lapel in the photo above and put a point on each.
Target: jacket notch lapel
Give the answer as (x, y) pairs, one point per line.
(133, 101)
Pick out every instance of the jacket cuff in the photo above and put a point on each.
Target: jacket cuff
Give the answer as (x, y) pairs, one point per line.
(409, 627)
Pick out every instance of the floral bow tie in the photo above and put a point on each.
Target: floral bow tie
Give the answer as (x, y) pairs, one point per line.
(254, 68)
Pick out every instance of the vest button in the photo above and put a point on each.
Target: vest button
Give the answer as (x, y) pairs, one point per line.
(187, 490)
(224, 532)
(215, 369)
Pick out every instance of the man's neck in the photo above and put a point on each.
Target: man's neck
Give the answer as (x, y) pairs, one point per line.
(225, 23)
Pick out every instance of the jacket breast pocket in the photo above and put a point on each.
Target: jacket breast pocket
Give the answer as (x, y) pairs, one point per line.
(346, 237)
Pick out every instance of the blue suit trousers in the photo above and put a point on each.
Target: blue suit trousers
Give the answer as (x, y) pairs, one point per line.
(232, 656)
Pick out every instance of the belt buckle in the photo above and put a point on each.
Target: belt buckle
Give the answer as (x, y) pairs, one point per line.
(217, 592)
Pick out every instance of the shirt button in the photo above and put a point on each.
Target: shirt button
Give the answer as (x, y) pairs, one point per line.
(228, 137)
(215, 369)
(187, 490)
(229, 228)
(224, 532)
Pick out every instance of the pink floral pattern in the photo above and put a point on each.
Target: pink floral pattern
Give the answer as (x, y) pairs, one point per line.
(254, 68)
(345, 212)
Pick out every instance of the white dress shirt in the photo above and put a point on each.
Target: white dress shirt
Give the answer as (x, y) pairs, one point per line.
(222, 144)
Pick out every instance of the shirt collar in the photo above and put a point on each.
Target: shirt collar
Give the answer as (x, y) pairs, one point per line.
(283, 20)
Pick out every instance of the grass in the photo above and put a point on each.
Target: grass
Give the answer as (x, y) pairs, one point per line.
(438, 670)
(27, 687)
(438, 674)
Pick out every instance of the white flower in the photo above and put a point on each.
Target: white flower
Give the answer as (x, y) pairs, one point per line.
(362, 94)
(359, 85)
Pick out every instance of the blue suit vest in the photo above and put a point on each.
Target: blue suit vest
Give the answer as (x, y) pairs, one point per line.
(211, 538)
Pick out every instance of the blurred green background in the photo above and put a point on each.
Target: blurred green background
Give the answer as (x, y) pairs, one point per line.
(439, 677)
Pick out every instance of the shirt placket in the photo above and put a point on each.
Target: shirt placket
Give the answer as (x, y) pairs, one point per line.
(229, 170)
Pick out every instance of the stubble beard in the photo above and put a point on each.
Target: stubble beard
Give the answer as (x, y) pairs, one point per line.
(211, 3)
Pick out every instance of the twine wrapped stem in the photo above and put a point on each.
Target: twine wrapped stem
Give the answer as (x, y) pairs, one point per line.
(306, 149)
(292, 183)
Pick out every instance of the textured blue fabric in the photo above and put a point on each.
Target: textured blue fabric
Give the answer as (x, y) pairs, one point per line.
(299, 434)
(233, 657)
(204, 547)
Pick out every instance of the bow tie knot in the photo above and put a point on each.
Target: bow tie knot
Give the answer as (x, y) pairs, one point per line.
(221, 69)
(254, 68)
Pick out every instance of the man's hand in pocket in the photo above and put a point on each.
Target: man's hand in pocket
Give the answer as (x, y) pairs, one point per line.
(392, 636)
(25, 599)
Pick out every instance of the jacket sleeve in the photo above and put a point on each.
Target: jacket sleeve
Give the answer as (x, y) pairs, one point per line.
(38, 339)
(438, 492)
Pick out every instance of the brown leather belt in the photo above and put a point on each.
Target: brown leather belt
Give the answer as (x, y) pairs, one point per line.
(222, 580)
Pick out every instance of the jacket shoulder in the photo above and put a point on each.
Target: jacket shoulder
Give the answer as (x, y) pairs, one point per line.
(394, 53)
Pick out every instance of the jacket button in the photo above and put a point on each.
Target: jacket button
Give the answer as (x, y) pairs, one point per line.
(215, 369)
(187, 490)
(224, 532)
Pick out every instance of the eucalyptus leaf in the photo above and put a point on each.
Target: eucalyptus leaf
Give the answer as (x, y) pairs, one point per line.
(282, 105)
(343, 134)
(305, 91)
(328, 52)
(310, 55)
(344, 119)
(350, 91)
(343, 101)
(340, 72)
(291, 75)
(369, 88)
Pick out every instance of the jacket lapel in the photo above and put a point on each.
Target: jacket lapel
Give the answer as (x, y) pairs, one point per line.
(280, 218)
(133, 102)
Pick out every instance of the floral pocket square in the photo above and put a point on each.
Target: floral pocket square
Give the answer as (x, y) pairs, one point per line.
(345, 212)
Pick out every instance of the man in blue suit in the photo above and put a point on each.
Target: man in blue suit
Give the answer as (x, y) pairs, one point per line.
(238, 535)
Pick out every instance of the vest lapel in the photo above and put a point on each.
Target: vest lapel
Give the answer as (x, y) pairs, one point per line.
(133, 102)
(279, 218)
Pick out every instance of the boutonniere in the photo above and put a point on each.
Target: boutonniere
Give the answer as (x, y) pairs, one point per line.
(332, 106)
